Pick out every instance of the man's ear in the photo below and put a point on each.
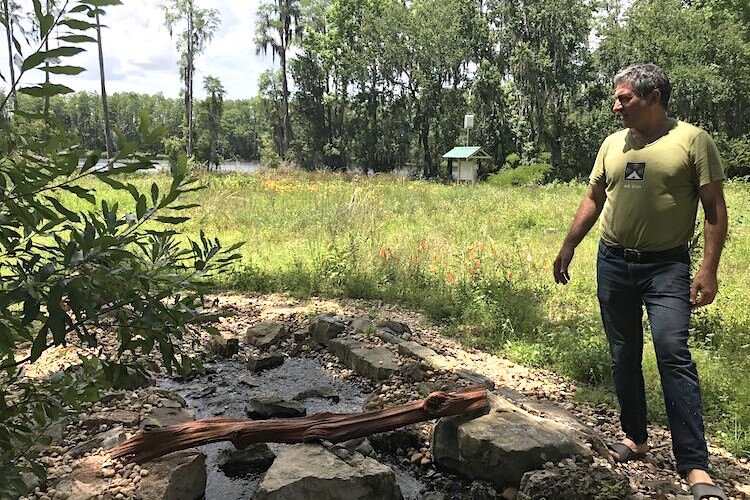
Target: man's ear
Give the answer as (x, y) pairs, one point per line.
(656, 96)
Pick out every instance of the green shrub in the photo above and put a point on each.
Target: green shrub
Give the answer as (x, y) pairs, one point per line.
(523, 175)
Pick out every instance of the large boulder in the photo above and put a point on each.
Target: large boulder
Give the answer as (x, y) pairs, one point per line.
(502, 445)
(325, 327)
(266, 334)
(377, 362)
(311, 472)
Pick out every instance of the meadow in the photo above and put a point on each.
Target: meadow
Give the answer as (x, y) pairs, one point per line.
(477, 260)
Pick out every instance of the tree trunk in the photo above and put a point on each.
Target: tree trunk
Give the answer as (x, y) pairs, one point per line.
(46, 65)
(189, 81)
(334, 427)
(285, 91)
(9, 34)
(105, 106)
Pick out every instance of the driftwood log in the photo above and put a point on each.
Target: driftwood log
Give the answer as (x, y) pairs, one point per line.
(335, 427)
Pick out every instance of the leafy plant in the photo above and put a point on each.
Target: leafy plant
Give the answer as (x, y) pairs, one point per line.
(74, 275)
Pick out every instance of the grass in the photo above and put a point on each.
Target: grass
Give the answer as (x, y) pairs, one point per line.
(475, 258)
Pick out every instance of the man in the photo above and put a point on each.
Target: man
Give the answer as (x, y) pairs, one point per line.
(646, 182)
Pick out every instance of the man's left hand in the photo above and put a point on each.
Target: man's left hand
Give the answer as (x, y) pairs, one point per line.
(704, 288)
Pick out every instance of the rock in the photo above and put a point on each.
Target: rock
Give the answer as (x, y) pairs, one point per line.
(273, 407)
(502, 445)
(266, 333)
(226, 348)
(388, 442)
(135, 378)
(203, 393)
(373, 362)
(266, 362)
(434, 495)
(321, 392)
(86, 481)
(395, 326)
(114, 417)
(106, 440)
(413, 372)
(178, 476)
(311, 471)
(254, 458)
(570, 484)
(362, 325)
(161, 394)
(510, 493)
(162, 417)
(325, 327)
(248, 381)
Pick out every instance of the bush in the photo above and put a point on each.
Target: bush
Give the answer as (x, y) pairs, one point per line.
(523, 175)
(77, 266)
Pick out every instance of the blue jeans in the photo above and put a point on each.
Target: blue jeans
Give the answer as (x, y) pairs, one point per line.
(663, 286)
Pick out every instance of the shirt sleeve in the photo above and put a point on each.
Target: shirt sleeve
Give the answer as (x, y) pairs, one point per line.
(598, 175)
(706, 158)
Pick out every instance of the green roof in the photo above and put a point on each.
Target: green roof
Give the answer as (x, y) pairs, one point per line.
(466, 152)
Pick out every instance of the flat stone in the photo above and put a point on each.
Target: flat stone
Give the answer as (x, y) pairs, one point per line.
(377, 363)
(396, 327)
(86, 482)
(266, 333)
(264, 408)
(362, 325)
(178, 476)
(325, 327)
(320, 392)
(311, 471)
(564, 483)
(266, 362)
(248, 380)
(106, 440)
(162, 417)
(114, 417)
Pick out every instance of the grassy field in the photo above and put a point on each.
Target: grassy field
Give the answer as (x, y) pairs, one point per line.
(478, 260)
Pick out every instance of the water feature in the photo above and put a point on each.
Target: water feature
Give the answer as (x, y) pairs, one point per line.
(224, 391)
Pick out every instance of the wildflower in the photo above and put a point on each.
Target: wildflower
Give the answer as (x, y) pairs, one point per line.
(450, 277)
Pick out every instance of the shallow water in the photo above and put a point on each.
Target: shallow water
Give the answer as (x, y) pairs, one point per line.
(229, 397)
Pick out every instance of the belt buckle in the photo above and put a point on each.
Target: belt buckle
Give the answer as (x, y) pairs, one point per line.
(631, 255)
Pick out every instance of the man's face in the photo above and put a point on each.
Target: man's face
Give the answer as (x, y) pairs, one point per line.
(633, 109)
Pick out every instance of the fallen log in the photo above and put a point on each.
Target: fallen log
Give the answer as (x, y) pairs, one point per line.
(335, 427)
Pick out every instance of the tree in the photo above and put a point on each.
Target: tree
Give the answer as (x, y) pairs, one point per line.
(73, 272)
(9, 19)
(105, 107)
(198, 27)
(215, 105)
(276, 28)
(546, 45)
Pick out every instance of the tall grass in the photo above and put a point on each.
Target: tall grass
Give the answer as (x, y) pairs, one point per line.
(475, 258)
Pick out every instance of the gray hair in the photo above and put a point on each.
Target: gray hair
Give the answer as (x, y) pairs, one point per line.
(645, 78)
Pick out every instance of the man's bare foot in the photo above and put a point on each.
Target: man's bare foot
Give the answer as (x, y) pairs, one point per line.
(638, 450)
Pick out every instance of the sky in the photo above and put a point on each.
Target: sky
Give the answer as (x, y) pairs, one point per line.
(140, 56)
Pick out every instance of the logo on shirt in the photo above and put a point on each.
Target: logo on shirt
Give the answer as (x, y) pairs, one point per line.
(635, 171)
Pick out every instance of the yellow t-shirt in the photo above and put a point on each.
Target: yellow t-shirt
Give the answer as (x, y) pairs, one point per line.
(652, 189)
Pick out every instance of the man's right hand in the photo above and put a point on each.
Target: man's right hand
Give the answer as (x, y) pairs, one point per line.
(560, 266)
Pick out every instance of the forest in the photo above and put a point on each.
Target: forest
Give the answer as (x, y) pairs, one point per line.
(384, 84)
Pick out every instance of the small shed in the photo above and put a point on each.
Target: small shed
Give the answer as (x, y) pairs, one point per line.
(464, 162)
